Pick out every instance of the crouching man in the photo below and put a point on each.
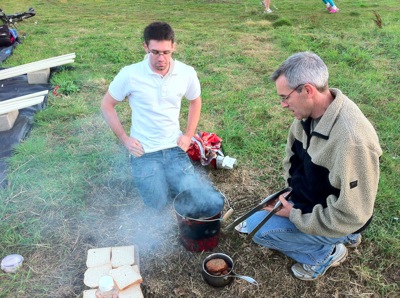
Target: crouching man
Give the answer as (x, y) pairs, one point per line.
(332, 164)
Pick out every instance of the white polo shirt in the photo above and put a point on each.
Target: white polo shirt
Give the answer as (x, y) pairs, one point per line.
(155, 101)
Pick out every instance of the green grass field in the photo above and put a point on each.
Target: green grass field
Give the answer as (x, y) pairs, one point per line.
(71, 172)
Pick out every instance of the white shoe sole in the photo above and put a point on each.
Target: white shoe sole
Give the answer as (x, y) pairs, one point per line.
(242, 228)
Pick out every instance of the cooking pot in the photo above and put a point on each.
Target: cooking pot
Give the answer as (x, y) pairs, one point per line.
(199, 214)
(226, 279)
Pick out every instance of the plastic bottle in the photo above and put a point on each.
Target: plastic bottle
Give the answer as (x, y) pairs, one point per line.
(107, 288)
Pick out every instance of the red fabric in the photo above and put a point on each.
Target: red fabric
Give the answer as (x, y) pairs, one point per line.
(204, 148)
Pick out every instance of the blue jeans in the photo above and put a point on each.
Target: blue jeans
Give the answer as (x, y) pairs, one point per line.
(279, 233)
(161, 175)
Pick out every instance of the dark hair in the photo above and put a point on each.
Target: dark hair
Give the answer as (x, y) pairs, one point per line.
(158, 31)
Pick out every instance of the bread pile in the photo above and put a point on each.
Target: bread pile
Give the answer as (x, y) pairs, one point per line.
(121, 263)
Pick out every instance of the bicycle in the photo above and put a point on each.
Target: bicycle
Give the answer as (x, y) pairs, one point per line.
(12, 19)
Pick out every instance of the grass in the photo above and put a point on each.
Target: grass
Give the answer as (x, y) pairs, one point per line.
(69, 184)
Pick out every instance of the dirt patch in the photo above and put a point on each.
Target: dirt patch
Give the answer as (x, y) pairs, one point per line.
(114, 216)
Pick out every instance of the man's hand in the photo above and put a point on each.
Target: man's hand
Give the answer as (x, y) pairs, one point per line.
(285, 208)
(133, 145)
(184, 142)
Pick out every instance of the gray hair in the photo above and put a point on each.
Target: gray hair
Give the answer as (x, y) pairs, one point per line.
(302, 68)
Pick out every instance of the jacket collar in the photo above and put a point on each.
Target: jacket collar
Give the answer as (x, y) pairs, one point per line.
(328, 119)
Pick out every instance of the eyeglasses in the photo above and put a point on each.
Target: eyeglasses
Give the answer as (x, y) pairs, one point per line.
(284, 98)
(159, 53)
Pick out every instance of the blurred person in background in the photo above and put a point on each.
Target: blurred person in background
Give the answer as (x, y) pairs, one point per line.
(266, 3)
(332, 165)
(154, 88)
(330, 6)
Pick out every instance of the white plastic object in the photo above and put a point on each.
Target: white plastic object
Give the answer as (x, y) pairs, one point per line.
(11, 263)
(226, 162)
(106, 283)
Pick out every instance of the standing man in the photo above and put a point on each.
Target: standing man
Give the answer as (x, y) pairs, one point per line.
(155, 88)
(332, 165)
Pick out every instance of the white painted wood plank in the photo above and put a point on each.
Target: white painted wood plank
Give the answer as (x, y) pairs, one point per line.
(37, 65)
(19, 70)
(22, 104)
(23, 97)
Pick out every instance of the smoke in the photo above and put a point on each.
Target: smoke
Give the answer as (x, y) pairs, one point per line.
(197, 198)
(127, 220)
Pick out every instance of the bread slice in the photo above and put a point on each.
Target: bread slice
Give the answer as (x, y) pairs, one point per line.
(122, 255)
(136, 268)
(125, 276)
(92, 275)
(98, 256)
(133, 291)
(89, 293)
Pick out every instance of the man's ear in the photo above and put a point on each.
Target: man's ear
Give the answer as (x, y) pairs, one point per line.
(310, 89)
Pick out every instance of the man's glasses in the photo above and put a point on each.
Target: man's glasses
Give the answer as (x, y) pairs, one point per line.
(159, 53)
(284, 98)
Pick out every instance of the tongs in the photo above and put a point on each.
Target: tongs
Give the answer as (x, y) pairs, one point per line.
(259, 207)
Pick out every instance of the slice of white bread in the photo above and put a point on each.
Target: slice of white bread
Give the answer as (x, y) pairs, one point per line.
(133, 291)
(136, 268)
(122, 255)
(98, 256)
(125, 276)
(89, 293)
(93, 274)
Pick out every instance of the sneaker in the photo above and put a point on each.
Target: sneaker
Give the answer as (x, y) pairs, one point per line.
(334, 10)
(268, 11)
(242, 228)
(354, 244)
(312, 272)
(328, 8)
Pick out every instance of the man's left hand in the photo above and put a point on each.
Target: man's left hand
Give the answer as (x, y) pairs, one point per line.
(184, 142)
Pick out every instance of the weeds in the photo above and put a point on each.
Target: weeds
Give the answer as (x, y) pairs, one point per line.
(377, 20)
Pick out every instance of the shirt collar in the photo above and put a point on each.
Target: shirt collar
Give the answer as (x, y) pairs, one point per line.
(151, 72)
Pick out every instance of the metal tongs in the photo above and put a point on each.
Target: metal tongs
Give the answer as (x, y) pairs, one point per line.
(259, 207)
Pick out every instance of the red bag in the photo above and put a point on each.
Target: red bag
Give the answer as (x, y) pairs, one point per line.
(204, 148)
